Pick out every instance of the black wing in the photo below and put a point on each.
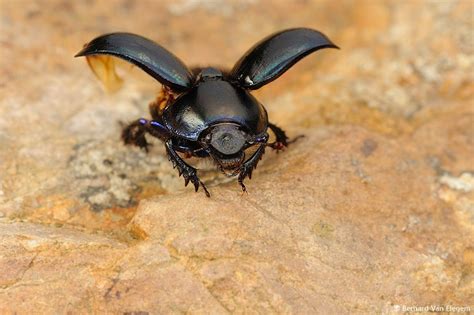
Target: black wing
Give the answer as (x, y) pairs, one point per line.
(275, 54)
(144, 53)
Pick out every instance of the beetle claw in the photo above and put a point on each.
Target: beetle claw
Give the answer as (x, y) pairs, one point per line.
(247, 168)
(196, 184)
(295, 139)
(188, 172)
(281, 142)
(208, 195)
(244, 189)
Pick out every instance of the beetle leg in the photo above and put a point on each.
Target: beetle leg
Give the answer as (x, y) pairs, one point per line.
(249, 165)
(189, 173)
(135, 132)
(281, 141)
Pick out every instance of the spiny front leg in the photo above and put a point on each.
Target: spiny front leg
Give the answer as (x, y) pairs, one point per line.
(135, 132)
(249, 165)
(189, 173)
(281, 141)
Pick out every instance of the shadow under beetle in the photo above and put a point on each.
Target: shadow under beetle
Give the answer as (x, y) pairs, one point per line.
(209, 112)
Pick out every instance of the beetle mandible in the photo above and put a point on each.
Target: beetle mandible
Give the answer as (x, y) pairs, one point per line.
(209, 112)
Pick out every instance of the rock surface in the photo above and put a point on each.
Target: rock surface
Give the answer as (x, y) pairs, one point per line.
(373, 210)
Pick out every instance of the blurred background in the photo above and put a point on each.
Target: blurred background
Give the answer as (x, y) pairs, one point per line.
(403, 76)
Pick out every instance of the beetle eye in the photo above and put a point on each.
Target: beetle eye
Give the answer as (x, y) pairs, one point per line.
(227, 140)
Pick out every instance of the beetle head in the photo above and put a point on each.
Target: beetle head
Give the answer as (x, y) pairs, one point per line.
(227, 142)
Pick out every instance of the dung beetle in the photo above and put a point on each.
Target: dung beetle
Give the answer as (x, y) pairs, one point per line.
(209, 112)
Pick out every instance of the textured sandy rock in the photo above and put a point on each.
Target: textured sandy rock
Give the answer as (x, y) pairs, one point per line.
(45, 269)
(373, 209)
(303, 240)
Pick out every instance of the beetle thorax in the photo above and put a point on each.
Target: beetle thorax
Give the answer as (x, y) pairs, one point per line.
(214, 101)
